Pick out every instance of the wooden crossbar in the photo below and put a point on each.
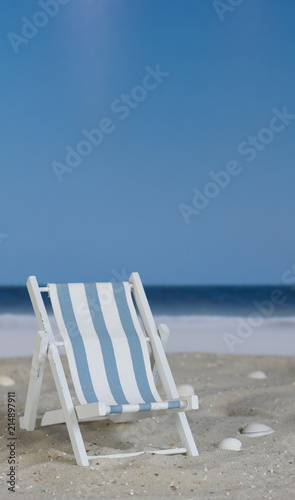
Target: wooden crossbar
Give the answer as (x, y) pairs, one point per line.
(100, 409)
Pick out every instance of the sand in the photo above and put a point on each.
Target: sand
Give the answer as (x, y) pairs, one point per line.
(228, 401)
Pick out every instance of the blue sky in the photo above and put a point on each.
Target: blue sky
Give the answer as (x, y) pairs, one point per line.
(227, 74)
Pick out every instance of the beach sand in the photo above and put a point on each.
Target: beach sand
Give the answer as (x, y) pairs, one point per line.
(228, 401)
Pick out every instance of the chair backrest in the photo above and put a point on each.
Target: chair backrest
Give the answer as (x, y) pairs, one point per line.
(105, 345)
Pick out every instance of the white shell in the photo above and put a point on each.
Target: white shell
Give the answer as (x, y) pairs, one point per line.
(185, 390)
(230, 444)
(5, 381)
(257, 374)
(255, 430)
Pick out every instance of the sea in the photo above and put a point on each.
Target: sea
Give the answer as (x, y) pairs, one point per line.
(184, 300)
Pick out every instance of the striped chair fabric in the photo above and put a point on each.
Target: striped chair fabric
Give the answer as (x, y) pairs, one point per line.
(106, 347)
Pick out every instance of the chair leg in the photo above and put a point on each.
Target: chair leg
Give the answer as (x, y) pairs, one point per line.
(185, 434)
(28, 421)
(67, 406)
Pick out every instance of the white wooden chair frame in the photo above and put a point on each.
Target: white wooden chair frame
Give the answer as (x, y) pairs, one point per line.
(46, 346)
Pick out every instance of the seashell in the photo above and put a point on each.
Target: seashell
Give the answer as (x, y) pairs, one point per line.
(255, 429)
(185, 390)
(257, 374)
(230, 444)
(5, 381)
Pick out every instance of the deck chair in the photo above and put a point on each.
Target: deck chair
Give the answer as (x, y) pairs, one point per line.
(109, 361)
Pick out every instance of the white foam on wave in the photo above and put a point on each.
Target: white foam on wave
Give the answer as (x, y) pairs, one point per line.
(274, 336)
(225, 335)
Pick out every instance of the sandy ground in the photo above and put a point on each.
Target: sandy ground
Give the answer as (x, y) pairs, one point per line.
(228, 400)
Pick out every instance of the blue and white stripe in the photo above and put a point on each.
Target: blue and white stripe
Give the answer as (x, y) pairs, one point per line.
(163, 405)
(106, 347)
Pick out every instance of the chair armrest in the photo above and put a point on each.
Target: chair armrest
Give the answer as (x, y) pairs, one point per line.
(164, 333)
